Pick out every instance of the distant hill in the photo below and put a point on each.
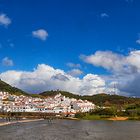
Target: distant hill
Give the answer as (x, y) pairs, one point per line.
(64, 93)
(108, 100)
(12, 90)
(98, 99)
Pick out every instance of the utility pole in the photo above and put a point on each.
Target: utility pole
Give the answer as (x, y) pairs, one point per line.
(115, 88)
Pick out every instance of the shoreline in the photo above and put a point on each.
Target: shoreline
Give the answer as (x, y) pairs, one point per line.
(118, 118)
(21, 121)
(69, 118)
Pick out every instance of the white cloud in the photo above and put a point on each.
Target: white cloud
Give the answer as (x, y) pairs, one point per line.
(73, 65)
(45, 77)
(7, 61)
(4, 20)
(133, 59)
(125, 72)
(75, 72)
(131, 85)
(105, 59)
(40, 34)
(92, 84)
(104, 15)
(114, 62)
(125, 69)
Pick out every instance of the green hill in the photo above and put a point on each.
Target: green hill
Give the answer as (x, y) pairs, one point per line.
(107, 99)
(64, 93)
(98, 99)
(12, 90)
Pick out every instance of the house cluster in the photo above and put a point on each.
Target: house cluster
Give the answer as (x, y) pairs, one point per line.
(55, 104)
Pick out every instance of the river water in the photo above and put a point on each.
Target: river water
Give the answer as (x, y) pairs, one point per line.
(72, 130)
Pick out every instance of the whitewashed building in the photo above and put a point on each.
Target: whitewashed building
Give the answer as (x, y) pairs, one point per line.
(55, 104)
(82, 106)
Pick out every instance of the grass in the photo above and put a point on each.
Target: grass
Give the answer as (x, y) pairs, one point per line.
(134, 118)
(105, 117)
(95, 117)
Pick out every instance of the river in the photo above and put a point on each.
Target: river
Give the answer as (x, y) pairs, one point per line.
(72, 130)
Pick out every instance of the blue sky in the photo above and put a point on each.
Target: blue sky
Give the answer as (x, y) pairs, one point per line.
(72, 28)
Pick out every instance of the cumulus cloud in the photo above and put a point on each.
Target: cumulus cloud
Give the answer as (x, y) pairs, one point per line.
(4, 20)
(105, 59)
(7, 62)
(92, 84)
(124, 68)
(45, 77)
(40, 34)
(60, 77)
(73, 65)
(75, 72)
(104, 15)
(133, 59)
(131, 85)
(125, 73)
(114, 62)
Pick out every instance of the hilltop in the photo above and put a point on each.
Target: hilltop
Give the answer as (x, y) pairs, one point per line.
(12, 90)
(64, 93)
(98, 99)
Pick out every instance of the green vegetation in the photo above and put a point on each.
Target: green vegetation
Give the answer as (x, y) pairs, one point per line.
(64, 93)
(98, 114)
(36, 96)
(87, 116)
(132, 112)
(92, 117)
(12, 90)
(115, 105)
(98, 99)
(109, 100)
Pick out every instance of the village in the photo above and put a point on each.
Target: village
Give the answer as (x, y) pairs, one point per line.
(54, 104)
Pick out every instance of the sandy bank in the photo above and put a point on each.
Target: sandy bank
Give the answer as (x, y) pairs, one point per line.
(21, 121)
(118, 118)
(70, 118)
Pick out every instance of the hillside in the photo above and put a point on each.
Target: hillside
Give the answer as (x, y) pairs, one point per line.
(65, 93)
(107, 99)
(98, 99)
(12, 90)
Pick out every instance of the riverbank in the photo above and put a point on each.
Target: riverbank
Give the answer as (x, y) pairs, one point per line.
(70, 118)
(118, 118)
(106, 117)
(20, 121)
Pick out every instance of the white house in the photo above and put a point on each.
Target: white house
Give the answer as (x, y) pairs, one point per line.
(83, 106)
